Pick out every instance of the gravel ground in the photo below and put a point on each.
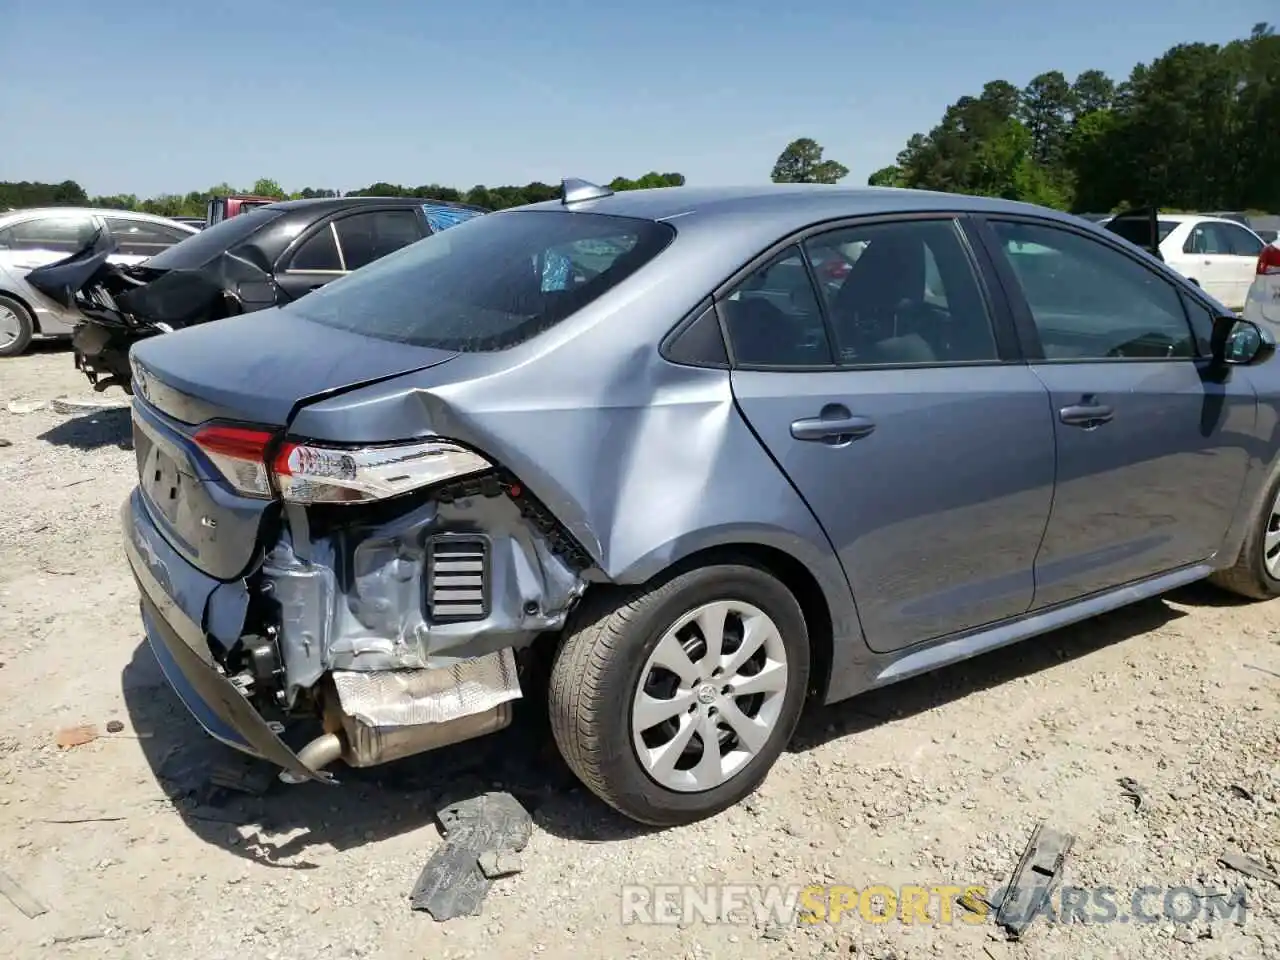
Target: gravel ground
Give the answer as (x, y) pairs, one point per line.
(938, 781)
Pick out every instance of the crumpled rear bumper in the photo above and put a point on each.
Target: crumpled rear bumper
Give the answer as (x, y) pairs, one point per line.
(173, 594)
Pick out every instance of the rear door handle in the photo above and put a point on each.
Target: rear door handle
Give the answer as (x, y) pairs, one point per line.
(834, 430)
(1087, 415)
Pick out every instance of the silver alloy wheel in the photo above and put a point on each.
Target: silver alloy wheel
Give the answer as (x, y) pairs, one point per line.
(709, 696)
(1271, 540)
(10, 326)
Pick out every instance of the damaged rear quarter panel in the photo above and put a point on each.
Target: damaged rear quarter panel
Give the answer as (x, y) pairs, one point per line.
(644, 462)
(352, 588)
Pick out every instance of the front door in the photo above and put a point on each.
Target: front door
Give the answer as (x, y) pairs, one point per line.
(924, 453)
(1152, 450)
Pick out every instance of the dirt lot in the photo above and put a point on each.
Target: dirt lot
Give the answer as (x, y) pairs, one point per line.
(937, 781)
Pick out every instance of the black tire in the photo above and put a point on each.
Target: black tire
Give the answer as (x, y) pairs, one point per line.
(26, 328)
(1249, 576)
(598, 668)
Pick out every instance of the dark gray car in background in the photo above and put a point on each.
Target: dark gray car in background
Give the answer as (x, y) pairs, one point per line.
(639, 432)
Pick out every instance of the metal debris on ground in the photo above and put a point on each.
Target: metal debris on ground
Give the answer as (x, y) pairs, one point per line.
(1034, 881)
(1249, 867)
(25, 406)
(1132, 789)
(73, 405)
(453, 883)
(114, 726)
(25, 902)
(1239, 792)
(69, 737)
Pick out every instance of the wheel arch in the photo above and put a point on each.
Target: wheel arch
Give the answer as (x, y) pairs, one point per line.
(35, 317)
(823, 605)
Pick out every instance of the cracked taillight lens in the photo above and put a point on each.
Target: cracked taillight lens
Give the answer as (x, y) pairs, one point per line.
(310, 473)
(322, 473)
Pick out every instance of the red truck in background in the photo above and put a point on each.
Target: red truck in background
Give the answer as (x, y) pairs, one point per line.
(222, 208)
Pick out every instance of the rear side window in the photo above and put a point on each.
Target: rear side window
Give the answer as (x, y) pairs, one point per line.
(366, 237)
(489, 283)
(143, 238)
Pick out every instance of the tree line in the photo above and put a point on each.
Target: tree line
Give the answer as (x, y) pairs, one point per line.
(17, 195)
(1196, 129)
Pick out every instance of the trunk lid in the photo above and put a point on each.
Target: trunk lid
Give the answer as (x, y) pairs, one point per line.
(252, 369)
(257, 367)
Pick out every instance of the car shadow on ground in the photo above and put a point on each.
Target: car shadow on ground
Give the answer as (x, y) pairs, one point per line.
(384, 802)
(94, 430)
(367, 805)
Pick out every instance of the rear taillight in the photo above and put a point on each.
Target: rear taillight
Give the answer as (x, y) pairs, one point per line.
(320, 473)
(240, 454)
(1269, 260)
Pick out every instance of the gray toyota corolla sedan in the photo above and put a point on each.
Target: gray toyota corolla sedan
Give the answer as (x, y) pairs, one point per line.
(710, 479)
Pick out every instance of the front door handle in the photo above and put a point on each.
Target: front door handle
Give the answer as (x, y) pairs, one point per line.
(1087, 415)
(832, 430)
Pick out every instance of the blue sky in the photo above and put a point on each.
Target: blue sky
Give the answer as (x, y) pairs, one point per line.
(144, 96)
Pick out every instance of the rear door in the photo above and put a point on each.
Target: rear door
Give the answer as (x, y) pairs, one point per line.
(893, 398)
(1245, 246)
(1152, 444)
(1207, 258)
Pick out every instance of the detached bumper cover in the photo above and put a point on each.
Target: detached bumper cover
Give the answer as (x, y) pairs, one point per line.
(167, 584)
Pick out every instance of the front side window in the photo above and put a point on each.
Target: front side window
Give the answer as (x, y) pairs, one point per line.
(482, 285)
(58, 233)
(1091, 302)
(773, 316)
(911, 296)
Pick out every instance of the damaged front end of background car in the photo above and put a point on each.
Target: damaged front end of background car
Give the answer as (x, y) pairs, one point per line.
(125, 304)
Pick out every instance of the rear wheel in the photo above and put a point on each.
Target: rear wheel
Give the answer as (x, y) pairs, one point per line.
(1256, 573)
(17, 327)
(672, 703)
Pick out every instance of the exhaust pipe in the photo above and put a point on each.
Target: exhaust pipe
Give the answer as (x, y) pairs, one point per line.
(359, 744)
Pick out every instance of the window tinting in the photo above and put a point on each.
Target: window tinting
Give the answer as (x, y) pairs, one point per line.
(489, 283)
(318, 252)
(62, 234)
(773, 317)
(1090, 302)
(910, 296)
(142, 238)
(366, 237)
(202, 247)
(1240, 241)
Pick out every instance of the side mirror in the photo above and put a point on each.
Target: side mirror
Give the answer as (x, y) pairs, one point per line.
(1241, 342)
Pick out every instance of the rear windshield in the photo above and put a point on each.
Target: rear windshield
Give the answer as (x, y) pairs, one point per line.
(200, 248)
(489, 283)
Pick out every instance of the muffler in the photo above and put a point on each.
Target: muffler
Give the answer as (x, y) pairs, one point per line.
(359, 744)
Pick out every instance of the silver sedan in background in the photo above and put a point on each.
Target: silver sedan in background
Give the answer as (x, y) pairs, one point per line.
(37, 238)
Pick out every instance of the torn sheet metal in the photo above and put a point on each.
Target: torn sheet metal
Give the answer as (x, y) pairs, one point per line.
(1035, 879)
(409, 697)
(354, 597)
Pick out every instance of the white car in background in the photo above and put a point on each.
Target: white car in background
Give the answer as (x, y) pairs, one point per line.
(39, 237)
(1219, 255)
(1263, 303)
